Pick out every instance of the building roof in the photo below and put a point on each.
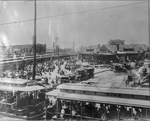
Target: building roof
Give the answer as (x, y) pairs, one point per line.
(135, 47)
(88, 53)
(111, 48)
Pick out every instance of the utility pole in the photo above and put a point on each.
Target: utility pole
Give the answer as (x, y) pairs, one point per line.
(149, 22)
(34, 43)
(149, 26)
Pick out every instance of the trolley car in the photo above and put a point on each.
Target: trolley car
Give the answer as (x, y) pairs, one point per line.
(90, 102)
(21, 99)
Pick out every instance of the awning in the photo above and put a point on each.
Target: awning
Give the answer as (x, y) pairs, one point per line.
(100, 99)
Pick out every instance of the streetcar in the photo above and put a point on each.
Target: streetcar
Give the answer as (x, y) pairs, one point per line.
(21, 99)
(88, 101)
(62, 79)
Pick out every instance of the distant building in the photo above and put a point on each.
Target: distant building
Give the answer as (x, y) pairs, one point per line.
(24, 50)
(115, 53)
(3, 52)
(108, 49)
(90, 49)
(132, 48)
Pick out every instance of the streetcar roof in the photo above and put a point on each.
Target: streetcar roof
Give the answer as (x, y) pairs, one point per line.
(80, 69)
(62, 76)
(31, 88)
(89, 68)
(96, 88)
(100, 99)
(37, 77)
(23, 89)
(53, 93)
(13, 81)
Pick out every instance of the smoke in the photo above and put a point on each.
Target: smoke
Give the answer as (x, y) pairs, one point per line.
(4, 4)
(4, 40)
(15, 13)
(50, 32)
(50, 29)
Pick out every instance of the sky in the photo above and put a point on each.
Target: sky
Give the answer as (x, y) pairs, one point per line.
(104, 20)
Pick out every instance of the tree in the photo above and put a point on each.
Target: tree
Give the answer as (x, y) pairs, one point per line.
(40, 48)
(116, 42)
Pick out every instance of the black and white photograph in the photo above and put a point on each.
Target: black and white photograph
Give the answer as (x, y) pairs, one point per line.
(77, 60)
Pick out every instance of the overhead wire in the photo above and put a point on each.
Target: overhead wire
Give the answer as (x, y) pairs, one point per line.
(73, 13)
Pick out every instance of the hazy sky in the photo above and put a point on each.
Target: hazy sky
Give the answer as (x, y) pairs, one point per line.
(98, 26)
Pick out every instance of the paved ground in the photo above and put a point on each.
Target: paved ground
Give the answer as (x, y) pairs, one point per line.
(110, 79)
(107, 78)
(100, 70)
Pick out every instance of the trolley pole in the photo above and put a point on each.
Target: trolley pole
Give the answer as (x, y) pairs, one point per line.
(34, 43)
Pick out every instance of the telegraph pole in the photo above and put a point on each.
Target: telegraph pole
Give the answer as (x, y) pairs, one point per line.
(149, 26)
(149, 23)
(34, 43)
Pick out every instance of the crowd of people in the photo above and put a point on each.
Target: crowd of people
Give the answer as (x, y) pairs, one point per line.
(138, 78)
(76, 110)
(31, 99)
(45, 71)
